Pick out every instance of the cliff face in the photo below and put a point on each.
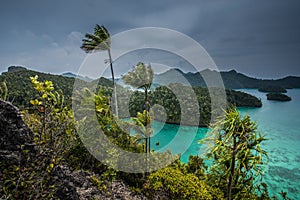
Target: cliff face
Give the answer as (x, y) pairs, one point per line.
(14, 133)
(14, 137)
(17, 150)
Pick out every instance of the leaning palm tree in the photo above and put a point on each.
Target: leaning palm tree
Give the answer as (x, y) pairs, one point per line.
(100, 41)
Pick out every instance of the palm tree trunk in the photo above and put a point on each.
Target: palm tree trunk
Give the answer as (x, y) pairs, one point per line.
(111, 67)
(146, 123)
(147, 111)
(113, 80)
(229, 186)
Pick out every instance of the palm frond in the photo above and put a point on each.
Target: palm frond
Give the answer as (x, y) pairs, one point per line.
(98, 41)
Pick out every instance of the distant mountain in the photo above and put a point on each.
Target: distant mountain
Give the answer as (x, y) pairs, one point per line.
(231, 79)
(70, 74)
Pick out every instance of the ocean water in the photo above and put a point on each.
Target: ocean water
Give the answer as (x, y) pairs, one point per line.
(279, 121)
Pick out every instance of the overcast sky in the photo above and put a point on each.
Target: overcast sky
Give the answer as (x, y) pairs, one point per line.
(258, 38)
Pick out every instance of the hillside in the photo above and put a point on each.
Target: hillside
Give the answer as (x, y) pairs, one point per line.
(20, 90)
(231, 79)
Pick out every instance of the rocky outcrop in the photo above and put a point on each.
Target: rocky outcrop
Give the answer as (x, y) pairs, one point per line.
(14, 133)
(15, 137)
(16, 68)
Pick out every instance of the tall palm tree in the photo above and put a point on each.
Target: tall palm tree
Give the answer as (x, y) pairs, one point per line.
(100, 41)
(141, 77)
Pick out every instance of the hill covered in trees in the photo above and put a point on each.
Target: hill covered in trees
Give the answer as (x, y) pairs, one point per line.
(175, 106)
(231, 79)
(20, 92)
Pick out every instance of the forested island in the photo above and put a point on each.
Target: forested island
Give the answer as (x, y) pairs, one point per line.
(278, 97)
(272, 89)
(20, 92)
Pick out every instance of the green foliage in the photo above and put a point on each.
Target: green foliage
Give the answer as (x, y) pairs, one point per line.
(54, 132)
(96, 182)
(278, 97)
(20, 90)
(241, 99)
(3, 91)
(238, 159)
(141, 76)
(196, 166)
(31, 178)
(177, 185)
(167, 99)
(50, 120)
(112, 127)
(164, 96)
(100, 40)
(142, 126)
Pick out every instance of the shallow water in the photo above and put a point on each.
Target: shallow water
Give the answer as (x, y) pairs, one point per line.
(279, 121)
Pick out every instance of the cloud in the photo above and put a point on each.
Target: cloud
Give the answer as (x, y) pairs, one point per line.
(46, 54)
(253, 34)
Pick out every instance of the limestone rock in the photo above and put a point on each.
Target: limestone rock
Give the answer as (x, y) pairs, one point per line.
(14, 133)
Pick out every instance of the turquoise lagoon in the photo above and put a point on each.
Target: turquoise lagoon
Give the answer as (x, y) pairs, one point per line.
(279, 121)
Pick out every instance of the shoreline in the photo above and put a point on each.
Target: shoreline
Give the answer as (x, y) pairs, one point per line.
(186, 124)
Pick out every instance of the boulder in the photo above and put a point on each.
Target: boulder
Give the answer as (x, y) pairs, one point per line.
(14, 133)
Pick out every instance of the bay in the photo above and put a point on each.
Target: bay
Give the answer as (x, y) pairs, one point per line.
(279, 121)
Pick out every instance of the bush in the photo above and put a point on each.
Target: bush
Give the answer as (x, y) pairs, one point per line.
(177, 185)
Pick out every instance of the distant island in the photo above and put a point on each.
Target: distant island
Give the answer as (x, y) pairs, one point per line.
(72, 75)
(278, 97)
(231, 79)
(272, 89)
(275, 93)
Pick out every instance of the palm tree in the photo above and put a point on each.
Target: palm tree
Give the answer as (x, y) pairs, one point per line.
(141, 77)
(238, 159)
(100, 41)
(140, 125)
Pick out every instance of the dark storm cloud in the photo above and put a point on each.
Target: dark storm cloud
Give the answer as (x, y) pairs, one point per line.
(260, 38)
